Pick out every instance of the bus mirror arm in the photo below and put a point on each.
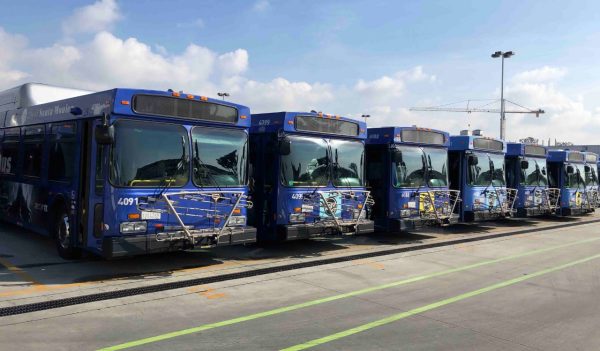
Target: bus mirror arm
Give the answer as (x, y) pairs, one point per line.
(105, 134)
(285, 147)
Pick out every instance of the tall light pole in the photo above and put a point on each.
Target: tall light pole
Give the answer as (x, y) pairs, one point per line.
(365, 117)
(223, 95)
(502, 55)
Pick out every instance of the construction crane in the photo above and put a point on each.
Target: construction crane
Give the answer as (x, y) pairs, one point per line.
(483, 108)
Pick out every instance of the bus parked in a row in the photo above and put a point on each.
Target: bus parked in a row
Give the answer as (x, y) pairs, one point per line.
(526, 171)
(309, 177)
(407, 170)
(591, 178)
(567, 172)
(477, 170)
(124, 171)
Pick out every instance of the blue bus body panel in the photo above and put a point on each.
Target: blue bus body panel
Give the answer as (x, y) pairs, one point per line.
(571, 199)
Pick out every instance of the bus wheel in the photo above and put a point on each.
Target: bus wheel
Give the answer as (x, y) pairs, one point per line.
(63, 237)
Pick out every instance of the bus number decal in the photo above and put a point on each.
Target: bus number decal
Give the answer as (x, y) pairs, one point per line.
(297, 196)
(126, 201)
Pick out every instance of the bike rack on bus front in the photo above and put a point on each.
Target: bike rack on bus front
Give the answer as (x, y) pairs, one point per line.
(552, 197)
(438, 205)
(503, 199)
(328, 200)
(222, 205)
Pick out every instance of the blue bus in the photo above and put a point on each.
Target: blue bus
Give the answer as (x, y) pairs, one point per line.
(526, 171)
(308, 172)
(477, 171)
(591, 178)
(567, 171)
(126, 171)
(407, 170)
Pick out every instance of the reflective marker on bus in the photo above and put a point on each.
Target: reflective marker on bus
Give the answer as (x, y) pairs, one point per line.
(126, 172)
(567, 172)
(477, 170)
(407, 170)
(526, 171)
(308, 171)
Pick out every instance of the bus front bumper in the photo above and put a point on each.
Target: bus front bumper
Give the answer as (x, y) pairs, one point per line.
(407, 224)
(305, 231)
(577, 211)
(532, 211)
(122, 246)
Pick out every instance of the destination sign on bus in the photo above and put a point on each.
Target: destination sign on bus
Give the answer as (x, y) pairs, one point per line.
(591, 158)
(575, 156)
(184, 108)
(423, 137)
(488, 144)
(324, 125)
(535, 150)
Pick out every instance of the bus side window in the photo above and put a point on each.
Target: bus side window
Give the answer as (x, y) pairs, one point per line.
(454, 166)
(62, 152)
(9, 153)
(33, 143)
(553, 175)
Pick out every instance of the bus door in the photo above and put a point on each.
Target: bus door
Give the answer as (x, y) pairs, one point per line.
(93, 175)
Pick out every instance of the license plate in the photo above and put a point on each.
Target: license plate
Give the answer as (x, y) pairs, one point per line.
(146, 215)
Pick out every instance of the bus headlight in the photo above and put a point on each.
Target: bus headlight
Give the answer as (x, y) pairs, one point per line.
(356, 213)
(133, 227)
(297, 218)
(237, 220)
(404, 213)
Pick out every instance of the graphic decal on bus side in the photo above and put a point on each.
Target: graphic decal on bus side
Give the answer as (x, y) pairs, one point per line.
(22, 203)
(5, 164)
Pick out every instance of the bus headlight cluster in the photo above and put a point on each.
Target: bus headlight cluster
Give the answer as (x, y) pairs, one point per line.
(297, 218)
(237, 220)
(357, 213)
(405, 213)
(133, 227)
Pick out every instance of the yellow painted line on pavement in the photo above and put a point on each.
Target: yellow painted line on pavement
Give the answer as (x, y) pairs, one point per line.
(399, 316)
(284, 309)
(19, 272)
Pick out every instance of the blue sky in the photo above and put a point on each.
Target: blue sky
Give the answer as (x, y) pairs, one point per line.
(343, 57)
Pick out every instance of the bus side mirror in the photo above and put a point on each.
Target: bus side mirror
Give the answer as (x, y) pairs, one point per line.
(544, 171)
(397, 156)
(473, 160)
(524, 164)
(105, 134)
(570, 170)
(588, 169)
(285, 147)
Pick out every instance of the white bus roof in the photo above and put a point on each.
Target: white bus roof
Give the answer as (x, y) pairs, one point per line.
(31, 94)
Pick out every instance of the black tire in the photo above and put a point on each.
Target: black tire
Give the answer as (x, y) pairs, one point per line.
(63, 236)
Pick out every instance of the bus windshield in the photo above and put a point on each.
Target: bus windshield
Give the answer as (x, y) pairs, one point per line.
(410, 171)
(147, 154)
(348, 160)
(437, 160)
(489, 170)
(219, 156)
(591, 179)
(575, 179)
(535, 173)
(307, 163)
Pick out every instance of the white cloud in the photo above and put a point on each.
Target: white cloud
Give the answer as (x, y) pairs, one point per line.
(261, 5)
(233, 63)
(93, 18)
(389, 88)
(10, 46)
(544, 74)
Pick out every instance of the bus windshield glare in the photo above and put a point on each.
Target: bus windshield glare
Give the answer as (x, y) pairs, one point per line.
(535, 173)
(437, 160)
(148, 154)
(307, 164)
(348, 160)
(219, 157)
(420, 167)
(489, 170)
(410, 171)
(575, 179)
